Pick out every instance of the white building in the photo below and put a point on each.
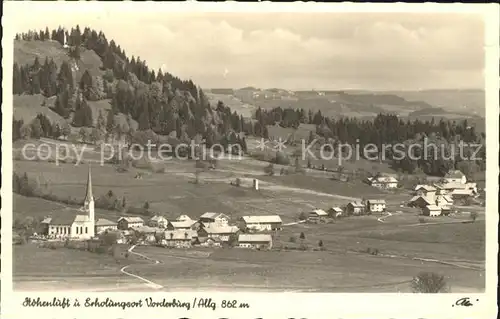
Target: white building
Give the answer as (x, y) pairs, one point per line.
(335, 212)
(317, 215)
(79, 226)
(383, 182)
(261, 223)
(102, 225)
(255, 241)
(431, 210)
(375, 205)
(222, 233)
(158, 221)
(455, 176)
(216, 219)
(128, 222)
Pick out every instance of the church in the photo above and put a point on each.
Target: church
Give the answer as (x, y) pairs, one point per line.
(79, 225)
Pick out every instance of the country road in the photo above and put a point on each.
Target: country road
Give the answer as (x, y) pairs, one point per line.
(148, 282)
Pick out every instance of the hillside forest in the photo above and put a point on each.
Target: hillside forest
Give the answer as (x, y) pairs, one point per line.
(163, 105)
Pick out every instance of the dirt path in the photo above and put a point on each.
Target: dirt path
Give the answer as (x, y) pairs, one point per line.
(148, 282)
(381, 219)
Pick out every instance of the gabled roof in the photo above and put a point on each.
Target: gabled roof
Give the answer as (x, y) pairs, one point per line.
(148, 230)
(428, 188)
(212, 215)
(336, 209)
(262, 219)
(356, 204)
(384, 179)
(426, 199)
(249, 238)
(66, 219)
(221, 230)
(183, 224)
(319, 212)
(131, 219)
(157, 218)
(376, 201)
(104, 222)
(183, 218)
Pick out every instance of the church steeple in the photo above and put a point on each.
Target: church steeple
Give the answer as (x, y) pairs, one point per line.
(88, 195)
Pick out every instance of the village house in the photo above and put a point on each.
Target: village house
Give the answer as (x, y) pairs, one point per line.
(215, 219)
(444, 200)
(420, 201)
(261, 223)
(355, 208)
(223, 233)
(102, 225)
(179, 238)
(147, 233)
(375, 205)
(182, 225)
(158, 221)
(383, 182)
(255, 241)
(455, 176)
(317, 216)
(424, 190)
(335, 212)
(79, 225)
(431, 210)
(128, 222)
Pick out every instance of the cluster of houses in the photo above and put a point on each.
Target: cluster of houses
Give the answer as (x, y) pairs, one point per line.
(382, 181)
(210, 229)
(437, 199)
(355, 208)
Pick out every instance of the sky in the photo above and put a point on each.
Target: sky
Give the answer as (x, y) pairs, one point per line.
(367, 51)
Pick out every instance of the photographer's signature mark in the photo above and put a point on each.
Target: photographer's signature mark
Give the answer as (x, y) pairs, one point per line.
(464, 302)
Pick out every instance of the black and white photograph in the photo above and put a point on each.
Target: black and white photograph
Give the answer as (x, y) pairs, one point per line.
(304, 152)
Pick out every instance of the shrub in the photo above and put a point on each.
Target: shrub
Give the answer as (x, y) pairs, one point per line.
(428, 282)
(292, 239)
(281, 158)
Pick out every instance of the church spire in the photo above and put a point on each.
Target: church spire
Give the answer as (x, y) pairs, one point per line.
(88, 195)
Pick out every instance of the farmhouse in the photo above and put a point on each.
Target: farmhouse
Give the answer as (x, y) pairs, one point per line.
(431, 210)
(179, 238)
(102, 225)
(317, 215)
(128, 222)
(78, 226)
(261, 223)
(424, 190)
(182, 225)
(444, 200)
(222, 233)
(255, 241)
(420, 201)
(335, 212)
(158, 221)
(375, 205)
(384, 182)
(216, 219)
(355, 208)
(455, 176)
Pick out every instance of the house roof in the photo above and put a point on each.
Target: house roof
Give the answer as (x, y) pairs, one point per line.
(446, 198)
(249, 238)
(132, 219)
(336, 209)
(319, 212)
(148, 230)
(262, 219)
(461, 192)
(433, 207)
(376, 201)
(221, 229)
(384, 179)
(64, 219)
(183, 218)
(47, 220)
(454, 174)
(356, 204)
(212, 215)
(183, 224)
(428, 188)
(180, 234)
(157, 218)
(104, 222)
(424, 198)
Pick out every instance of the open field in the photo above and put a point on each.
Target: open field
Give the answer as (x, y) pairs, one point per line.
(444, 245)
